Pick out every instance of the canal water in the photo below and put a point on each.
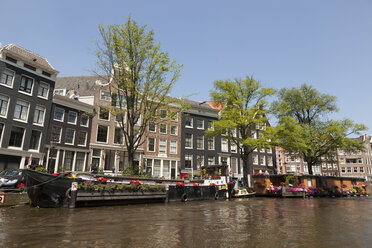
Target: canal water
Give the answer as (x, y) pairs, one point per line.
(254, 222)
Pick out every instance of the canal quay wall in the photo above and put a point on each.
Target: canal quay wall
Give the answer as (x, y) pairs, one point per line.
(13, 198)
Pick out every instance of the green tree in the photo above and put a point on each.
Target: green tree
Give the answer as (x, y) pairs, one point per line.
(140, 78)
(243, 118)
(304, 128)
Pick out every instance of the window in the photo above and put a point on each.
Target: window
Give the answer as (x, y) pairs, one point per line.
(29, 67)
(82, 138)
(163, 128)
(26, 84)
(105, 95)
(56, 134)
(61, 92)
(233, 147)
(173, 147)
(199, 124)
(35, 140)
(343, 169)
(102, 133)
(349, 169)
(253, 134)
(188, 121)
(174, 116)
(188, 140)
(80, 159)
(4, 102)
(210, 125)
(270, 161)
(200, 142)
(137, 119)
(234, 165)
(210, 143)
(39, 115)
(59, 114)
(70, 136)
(199, 161)
(151, 144)
(255, 159)
(46, 74)
(163, 113)
(16, 136)
(72, 117)
(117, 100)
(69, 158)
(162, 146)
(224, 145)
(188, 161)
(118, 136)
(152, 127)
(43, 90)
(211, 160)
(96, 158)
(84, 120)
(355, 169)
(361, 169)
(104, 114)
(174, 130)
(21, 110)
(7, 78)
(262, 160)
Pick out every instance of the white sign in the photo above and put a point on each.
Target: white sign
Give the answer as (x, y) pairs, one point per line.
(74, 186)
(2, 198)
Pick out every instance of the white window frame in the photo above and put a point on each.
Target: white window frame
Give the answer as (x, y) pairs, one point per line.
(32, 88)
(175, 134)
(104, 98)
(99, 112)
(27, 114)
(160, 143)
(63, 116)
(152, 131)
(202, 148)
(42, 123)
(148, 144)
(223, 144)
(214, 144)
(2, 133)
(175, 118)
(189, 147)
(11, 84)
(121, 130)
(173, 144)
(60, 133)
(47, 93)
(160, 114)
(23, 139)
(87, 125)
(7, 106)
(86, 138)
(166, 127)
(41, 134)
(108, 131)
(68, 116)
(202, 121)
(73, 137)
(192, 122)
(192, 165)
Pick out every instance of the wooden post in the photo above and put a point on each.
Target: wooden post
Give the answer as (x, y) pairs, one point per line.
(72, 202)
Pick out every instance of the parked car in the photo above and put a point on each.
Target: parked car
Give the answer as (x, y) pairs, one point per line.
(10, 178)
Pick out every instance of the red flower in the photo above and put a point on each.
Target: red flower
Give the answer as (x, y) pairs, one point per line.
(195, 184)
(180, 184)
(212, 184)
(102, 179)
(20, 185)
(229, 182)
(56, 174)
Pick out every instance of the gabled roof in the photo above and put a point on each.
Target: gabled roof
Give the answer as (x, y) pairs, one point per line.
(28, 56)
(215, 105)
(83, 85)
(199, 105)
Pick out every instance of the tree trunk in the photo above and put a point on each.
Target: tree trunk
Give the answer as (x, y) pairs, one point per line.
(247, 169)
(131, 159)
(310, 168)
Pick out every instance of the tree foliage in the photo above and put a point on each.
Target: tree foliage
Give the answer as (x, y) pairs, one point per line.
(304, 128)
(141, 77)
(243, 103)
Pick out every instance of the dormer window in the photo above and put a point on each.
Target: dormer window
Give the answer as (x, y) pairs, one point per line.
(26, 84)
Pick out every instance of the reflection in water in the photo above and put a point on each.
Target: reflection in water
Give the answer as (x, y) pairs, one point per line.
(255, 222)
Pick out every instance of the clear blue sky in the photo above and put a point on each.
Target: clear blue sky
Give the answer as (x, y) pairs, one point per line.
(327, 44)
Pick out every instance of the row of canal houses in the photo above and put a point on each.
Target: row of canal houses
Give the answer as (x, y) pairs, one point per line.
(63, 123)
